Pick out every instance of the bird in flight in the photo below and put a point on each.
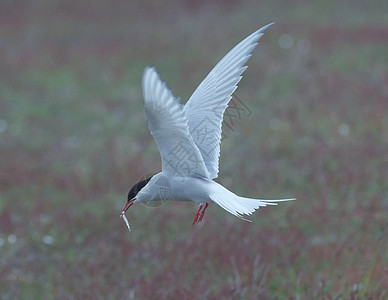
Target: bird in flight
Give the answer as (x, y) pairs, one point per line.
(188, 138)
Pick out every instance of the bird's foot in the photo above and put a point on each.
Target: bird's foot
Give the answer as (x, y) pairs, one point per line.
(200, 213)
(203, 212)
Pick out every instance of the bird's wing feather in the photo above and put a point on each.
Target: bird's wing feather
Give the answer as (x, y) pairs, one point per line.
(206, 107)
(167, 123)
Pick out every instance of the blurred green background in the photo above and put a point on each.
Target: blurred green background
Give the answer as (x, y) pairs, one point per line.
(73, 140)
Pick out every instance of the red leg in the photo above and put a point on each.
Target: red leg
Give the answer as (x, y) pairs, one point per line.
(203, 212)
(197, 214)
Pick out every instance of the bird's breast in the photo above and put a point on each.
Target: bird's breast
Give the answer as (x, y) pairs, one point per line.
(190, 189)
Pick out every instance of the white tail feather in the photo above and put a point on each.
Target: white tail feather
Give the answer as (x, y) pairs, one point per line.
(240, 206)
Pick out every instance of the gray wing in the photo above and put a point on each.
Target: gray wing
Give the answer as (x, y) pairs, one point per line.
(167, 123)
(205, 108)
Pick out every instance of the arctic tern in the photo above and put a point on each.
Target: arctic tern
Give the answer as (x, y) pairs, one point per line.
(188, 138)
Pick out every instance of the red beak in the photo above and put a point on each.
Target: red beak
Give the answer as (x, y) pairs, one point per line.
(126, 206)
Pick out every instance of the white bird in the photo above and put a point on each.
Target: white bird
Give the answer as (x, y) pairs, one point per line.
(188, 138)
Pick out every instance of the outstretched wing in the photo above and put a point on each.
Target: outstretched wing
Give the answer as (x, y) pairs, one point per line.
(167, 123)
(205, 108)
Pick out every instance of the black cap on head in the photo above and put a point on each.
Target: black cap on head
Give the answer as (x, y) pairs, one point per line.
(137, 187)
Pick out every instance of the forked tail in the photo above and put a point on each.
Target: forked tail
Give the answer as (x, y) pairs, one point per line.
(240, 206)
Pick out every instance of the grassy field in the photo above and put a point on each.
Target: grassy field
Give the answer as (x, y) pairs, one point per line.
(73, 140)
